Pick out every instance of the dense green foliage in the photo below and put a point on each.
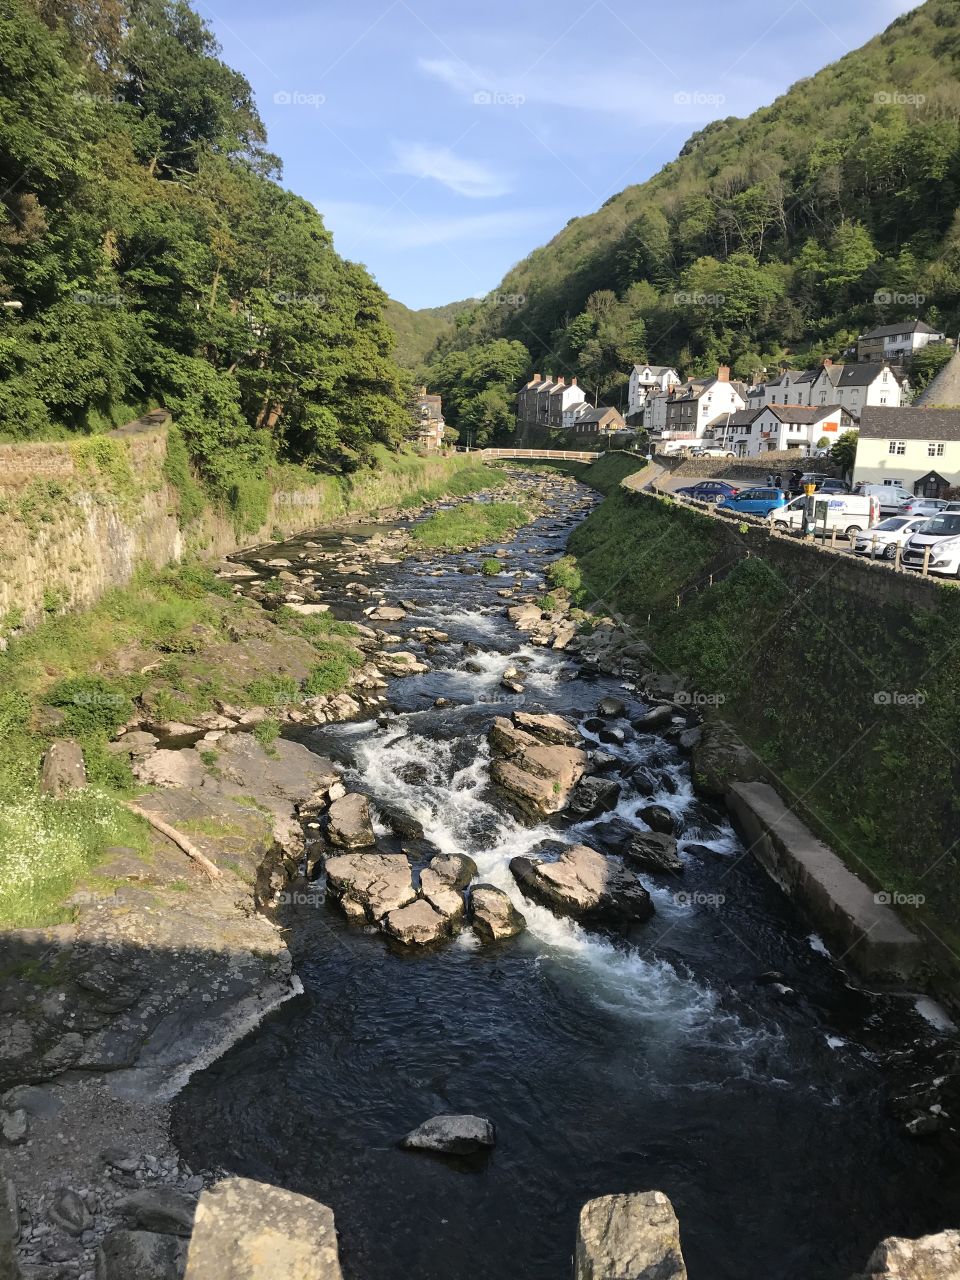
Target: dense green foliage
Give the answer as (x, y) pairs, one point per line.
(479, 388)
(418, 332)
(156, 259)
(884, 721)
(472, 524)
(775, 239)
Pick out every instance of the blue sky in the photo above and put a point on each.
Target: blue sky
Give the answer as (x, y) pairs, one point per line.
(444, 141)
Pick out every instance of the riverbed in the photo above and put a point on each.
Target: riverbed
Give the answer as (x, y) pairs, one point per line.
(607, 1062)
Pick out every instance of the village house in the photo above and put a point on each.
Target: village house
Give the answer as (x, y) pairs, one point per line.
(895, 342)
(541, 401)
(791, 386)
(585, 420)
(693, 408)
(732, 433)
(855, 386)
(647, 380)
(799, 427)
(429, 414)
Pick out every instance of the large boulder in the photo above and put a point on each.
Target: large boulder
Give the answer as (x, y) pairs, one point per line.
(452, 1135)
(246, 1230)
(417, 925)
(376, 882)
(659, 818)
(935, 1257)
(721, 758)
(160, 1209)
(629, 1237)
(537, 770)
(493, 915)
(442, 895)
(593, 796)
(456, 868)
(549, 728)
(350, 825)
(63, 768)
(653, 851)
(148, 1255)
(584, 884)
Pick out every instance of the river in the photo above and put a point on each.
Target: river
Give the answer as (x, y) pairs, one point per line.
(607, 1063)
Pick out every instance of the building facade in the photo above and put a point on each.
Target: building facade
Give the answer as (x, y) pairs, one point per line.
(916, 448)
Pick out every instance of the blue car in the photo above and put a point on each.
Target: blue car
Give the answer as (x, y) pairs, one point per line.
(709, 491)
(755, 502)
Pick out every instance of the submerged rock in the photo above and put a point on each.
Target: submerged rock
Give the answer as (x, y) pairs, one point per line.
(377, 882)
(493, 915)
(452, 1135)
(350, 825)
(629, 1237)
(584, 884)
(245, 1230)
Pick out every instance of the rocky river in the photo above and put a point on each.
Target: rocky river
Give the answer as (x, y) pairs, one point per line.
(681, 1029)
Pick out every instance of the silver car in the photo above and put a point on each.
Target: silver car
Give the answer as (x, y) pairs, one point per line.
(884, 538)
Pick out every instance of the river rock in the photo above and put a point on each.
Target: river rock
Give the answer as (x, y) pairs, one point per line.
(350, 826)
(629, 1237)
(524, 616)
(70, 1213)
(549, 728)
(441, 895)
(418, 924)
(170, 769)
(308, 610)
(246, 1230)
(592, 796)
(452, 1135)
(721, 758)
(653, 851)
(456, 868)
(402, 664)
(379, 882)
(387, 613)
(658, 818)
(400, 822)
(611, 708)
(160, 1209)
(493, 915)
(507, 740)
(584, 884)
(147, 1255)
(655, 718)
(63, 768)
(934, 1257)
(535, 795)
(14, 1126)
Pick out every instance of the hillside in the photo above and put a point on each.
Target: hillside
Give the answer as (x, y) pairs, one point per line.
(418, 332)
(832, 210)
(149, 255)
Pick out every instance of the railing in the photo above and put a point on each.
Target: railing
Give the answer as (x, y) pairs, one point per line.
(563, 455)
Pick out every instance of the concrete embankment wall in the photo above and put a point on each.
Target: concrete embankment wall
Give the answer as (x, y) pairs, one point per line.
(81, 516)
(842, 677)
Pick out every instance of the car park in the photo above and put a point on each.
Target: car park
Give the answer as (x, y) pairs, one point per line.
(883, 539)
(759, 501)
(940, 535)
(824, 484)
(921, 507)
(846, 512)
(708, 491)
(892, 496)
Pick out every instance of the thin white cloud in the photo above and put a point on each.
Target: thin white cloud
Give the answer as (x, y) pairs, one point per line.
(440, 164)
(359, 228)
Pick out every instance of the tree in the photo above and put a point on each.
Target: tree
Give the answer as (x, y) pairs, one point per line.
(844, 452)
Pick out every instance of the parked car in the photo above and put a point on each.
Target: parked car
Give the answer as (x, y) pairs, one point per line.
(884, 538)
(848, 512)
(941, 533)
(709, 490)
(755, 502)
(707, 451)
(825, 484)
(921, 507)
(892, 496)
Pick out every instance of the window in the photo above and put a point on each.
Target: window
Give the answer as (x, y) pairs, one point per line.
(934, 450)
(898, 447)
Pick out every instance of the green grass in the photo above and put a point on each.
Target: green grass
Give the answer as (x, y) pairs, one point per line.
(490, 567)
(471, 525)
(266, 733)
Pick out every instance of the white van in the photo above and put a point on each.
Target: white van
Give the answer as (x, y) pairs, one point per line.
(892, 496)
(851, 513)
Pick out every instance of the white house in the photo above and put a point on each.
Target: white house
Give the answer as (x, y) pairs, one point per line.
(691, 409)
(855, 386)
(918, 449)
(794, 427)
(562, 397)
(647, 380)
(895, 342)
(792, 386)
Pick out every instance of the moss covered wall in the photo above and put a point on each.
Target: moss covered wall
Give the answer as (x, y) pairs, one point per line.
(843, 678)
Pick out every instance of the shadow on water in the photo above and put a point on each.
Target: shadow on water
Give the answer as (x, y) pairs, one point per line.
(607, 1063)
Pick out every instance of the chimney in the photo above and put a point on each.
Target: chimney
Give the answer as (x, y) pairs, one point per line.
(573, 382)
(723, 373)
(559, 382)
(826, 363)
(536, 378)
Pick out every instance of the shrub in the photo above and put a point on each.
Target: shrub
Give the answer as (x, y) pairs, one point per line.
(490, 567)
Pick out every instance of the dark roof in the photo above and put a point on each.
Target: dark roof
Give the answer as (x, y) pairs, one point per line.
(879, 422)
(905, 326)
(596, 415)
(656, 368)
(744, 417)
(802, 413)
(862, 374)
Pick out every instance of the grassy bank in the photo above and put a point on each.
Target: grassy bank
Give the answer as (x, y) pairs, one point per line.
(472, 525)
(850, 697)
